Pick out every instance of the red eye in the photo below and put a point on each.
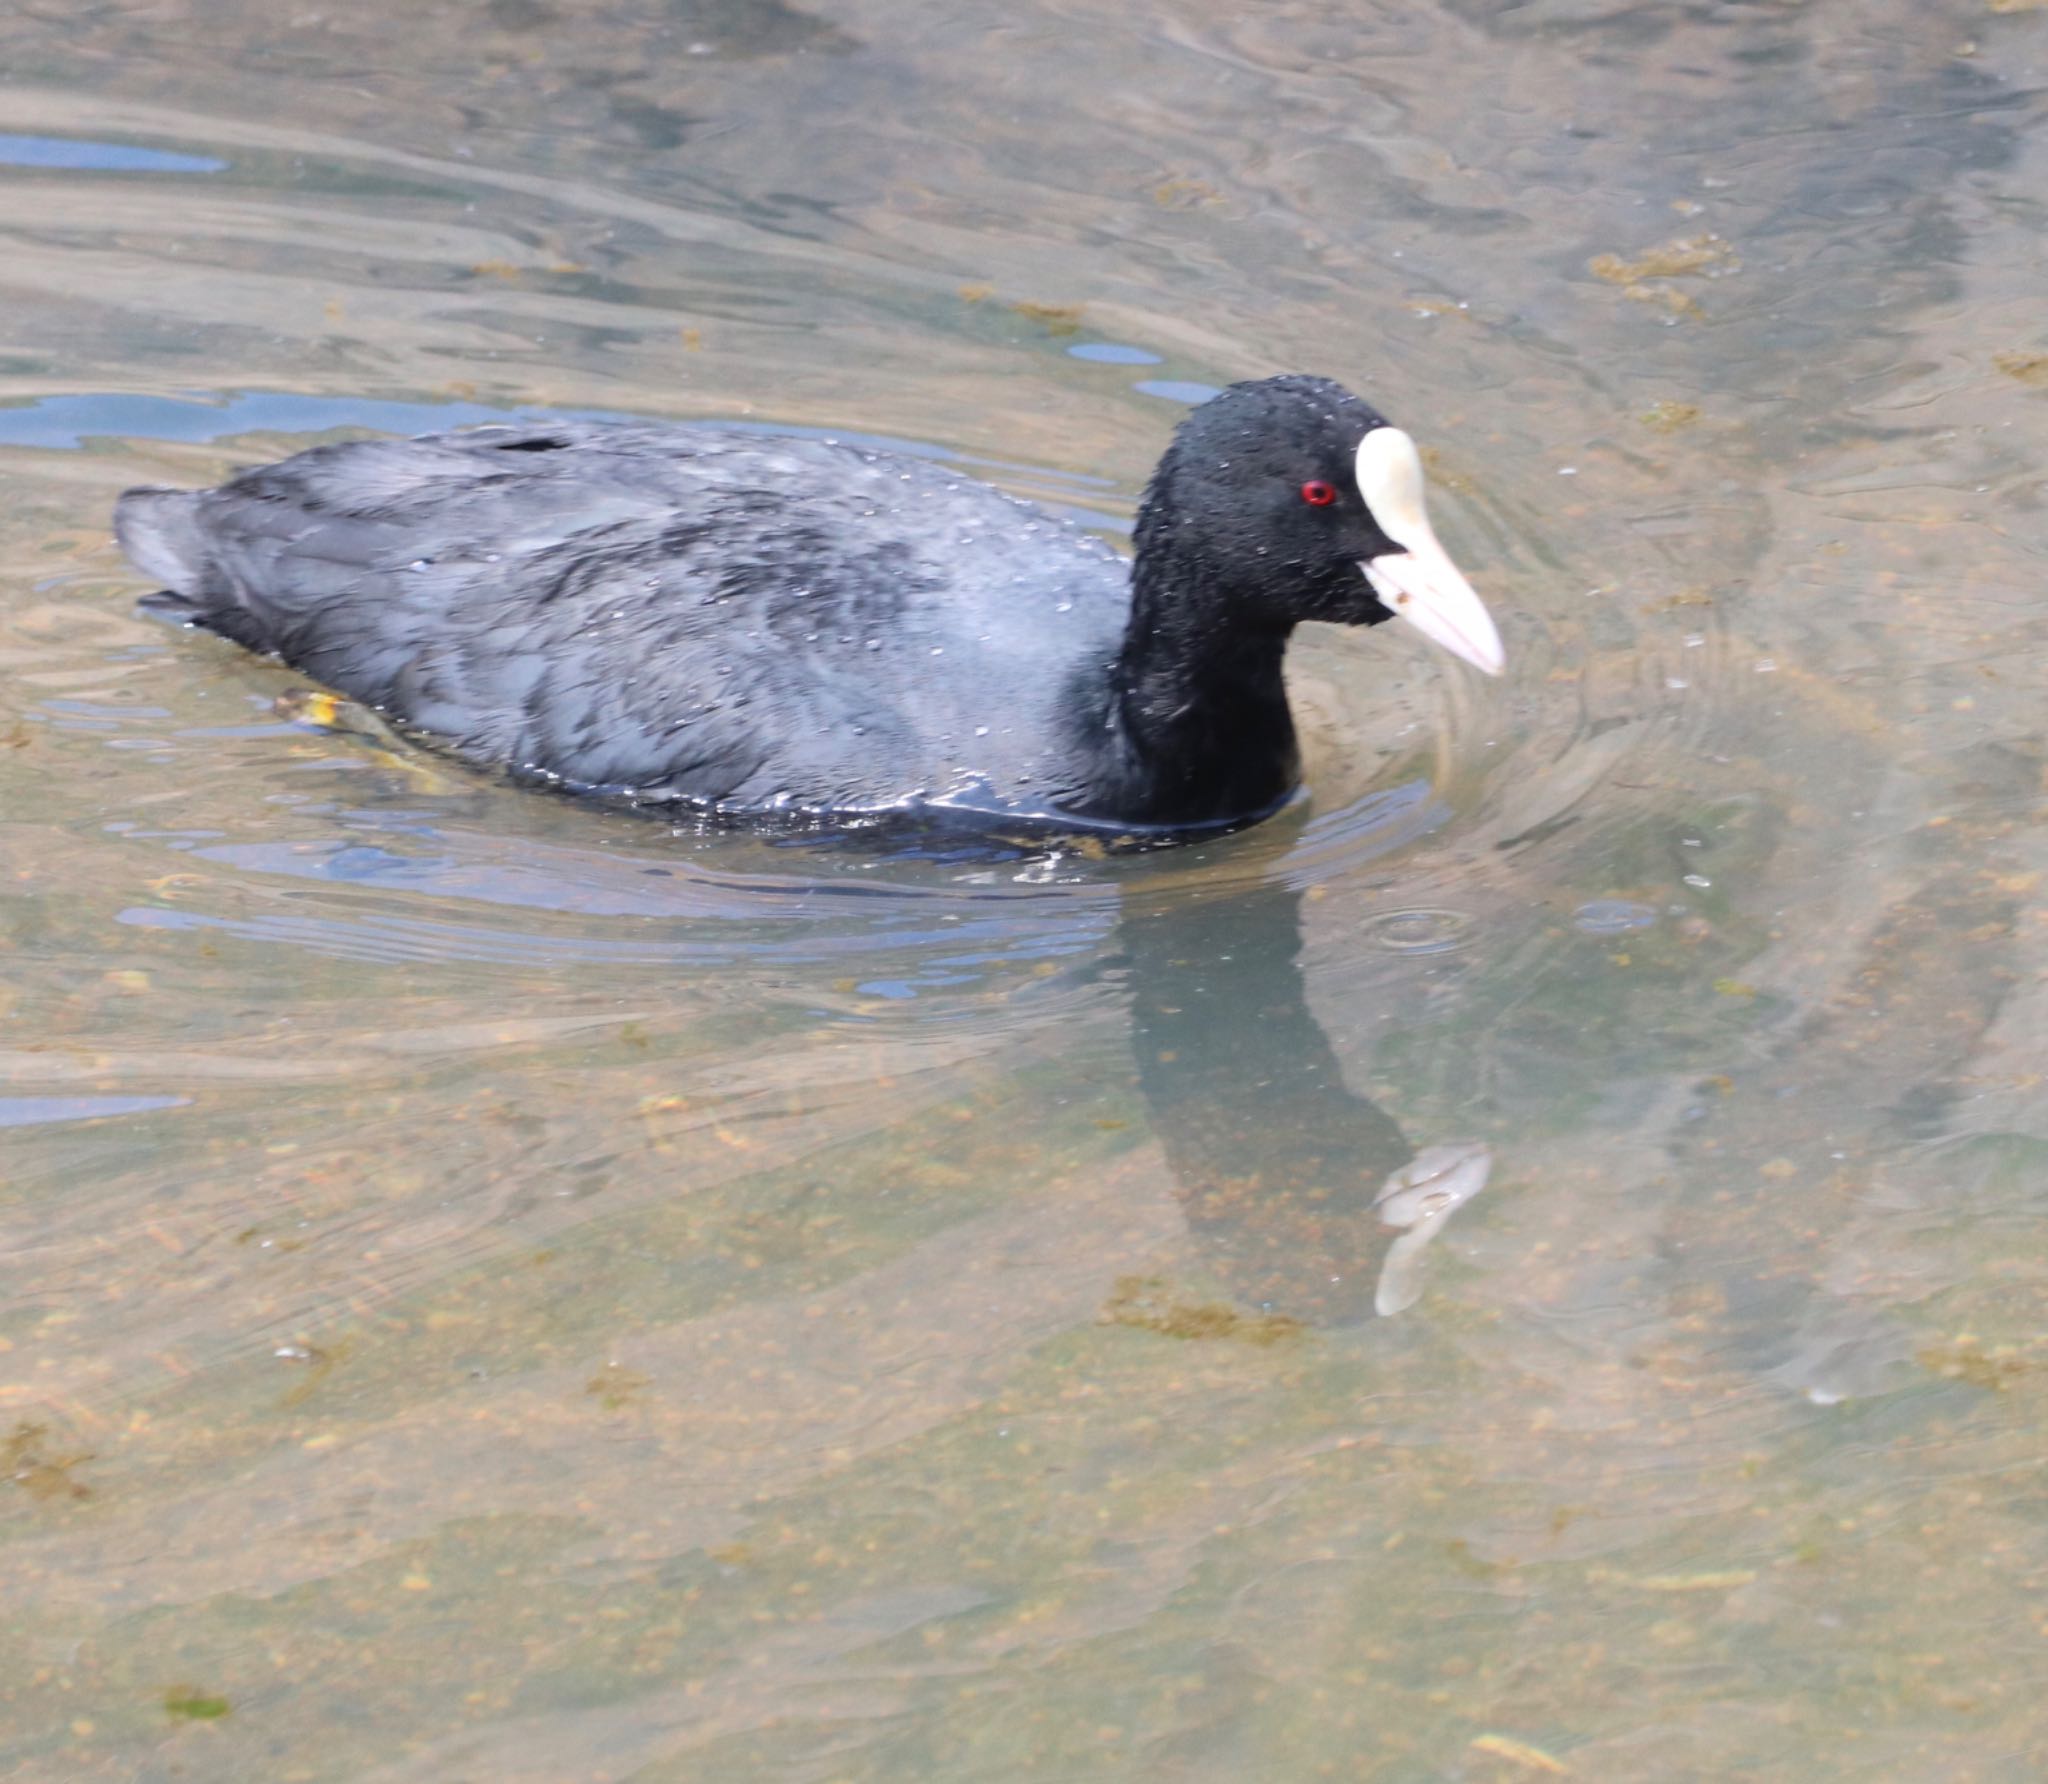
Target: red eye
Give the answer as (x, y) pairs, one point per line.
(1318, 494)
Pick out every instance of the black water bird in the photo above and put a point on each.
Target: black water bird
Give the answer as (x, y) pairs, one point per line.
(778, 629)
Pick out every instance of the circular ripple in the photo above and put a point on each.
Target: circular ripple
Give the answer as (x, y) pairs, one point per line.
(1422, 931)
(1612, 916)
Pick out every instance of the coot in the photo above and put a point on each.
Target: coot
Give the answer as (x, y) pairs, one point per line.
(780, 629)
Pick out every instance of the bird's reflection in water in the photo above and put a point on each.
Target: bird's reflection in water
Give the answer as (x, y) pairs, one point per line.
(1293, 1185)
(1419, 1199)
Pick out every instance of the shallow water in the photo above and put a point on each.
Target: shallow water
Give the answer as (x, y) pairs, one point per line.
(497, 1291)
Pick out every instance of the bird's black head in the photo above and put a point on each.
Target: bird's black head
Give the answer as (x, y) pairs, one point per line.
(1290, 499)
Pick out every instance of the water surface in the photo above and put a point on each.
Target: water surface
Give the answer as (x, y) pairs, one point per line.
(495, 1290)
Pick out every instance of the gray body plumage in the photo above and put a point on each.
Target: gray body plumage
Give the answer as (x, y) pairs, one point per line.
(734, 623)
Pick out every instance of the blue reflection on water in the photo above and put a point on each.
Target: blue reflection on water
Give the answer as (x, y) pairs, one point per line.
(1112, 353)
(35, 1111)
(99, 157)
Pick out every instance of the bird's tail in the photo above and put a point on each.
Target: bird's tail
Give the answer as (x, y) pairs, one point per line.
(158, 530)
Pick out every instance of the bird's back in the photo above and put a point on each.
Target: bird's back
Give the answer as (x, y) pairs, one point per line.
(738, 622)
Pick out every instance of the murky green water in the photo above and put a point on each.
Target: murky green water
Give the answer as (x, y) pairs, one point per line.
(495, 1292)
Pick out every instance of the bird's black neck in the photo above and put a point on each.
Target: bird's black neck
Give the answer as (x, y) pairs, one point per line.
(1197, 703)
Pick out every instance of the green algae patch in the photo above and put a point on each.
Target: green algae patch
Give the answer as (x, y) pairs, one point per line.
(1646, 278)
(26, 1460)
(615, 1388)
(1965, 1359)
(1685, 257)
(1148, 1303)
(1667, 417)
(1055, 319)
